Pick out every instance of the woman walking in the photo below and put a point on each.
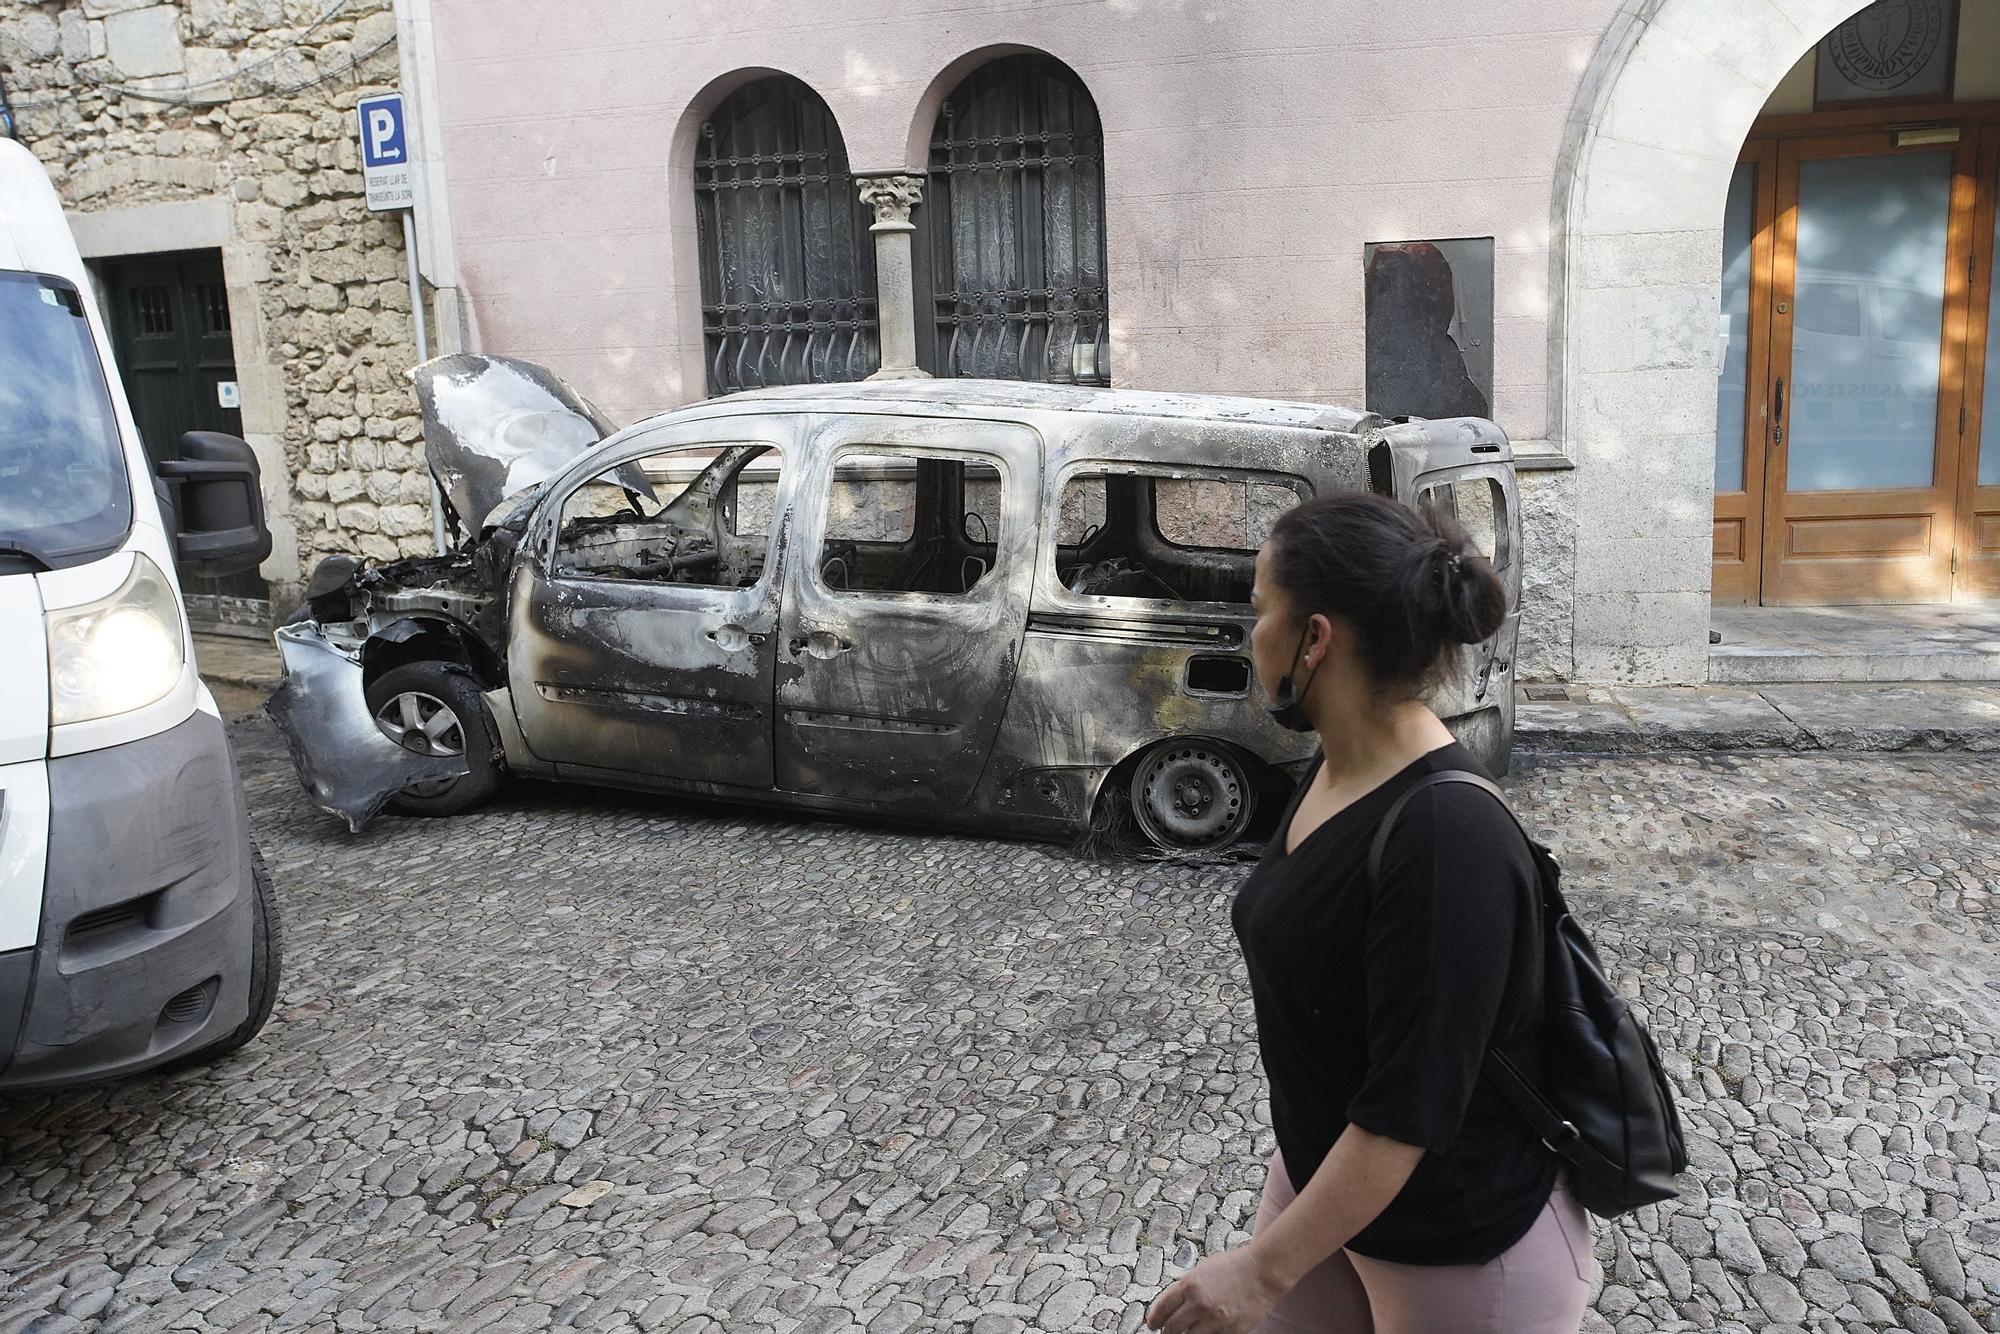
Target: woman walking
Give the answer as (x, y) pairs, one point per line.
(1407, 1196)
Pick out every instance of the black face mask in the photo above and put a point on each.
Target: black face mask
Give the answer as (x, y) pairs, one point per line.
(1286, 708)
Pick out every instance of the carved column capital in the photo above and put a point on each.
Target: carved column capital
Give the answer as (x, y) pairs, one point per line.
(892, 197)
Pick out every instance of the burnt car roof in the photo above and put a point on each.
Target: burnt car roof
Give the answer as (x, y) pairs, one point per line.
(1028, 396)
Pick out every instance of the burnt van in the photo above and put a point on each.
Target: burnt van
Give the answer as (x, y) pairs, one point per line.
(989, 605)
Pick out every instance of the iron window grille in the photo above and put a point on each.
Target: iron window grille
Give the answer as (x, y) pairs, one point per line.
(1013, 222)
(152, 310)
(787, 263)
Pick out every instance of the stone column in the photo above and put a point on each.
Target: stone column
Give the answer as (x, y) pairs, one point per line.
(892, 197)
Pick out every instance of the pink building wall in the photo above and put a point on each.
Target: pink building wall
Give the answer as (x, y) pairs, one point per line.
(1252, 148)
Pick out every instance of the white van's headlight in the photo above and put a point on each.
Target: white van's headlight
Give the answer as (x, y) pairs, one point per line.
(117, 654)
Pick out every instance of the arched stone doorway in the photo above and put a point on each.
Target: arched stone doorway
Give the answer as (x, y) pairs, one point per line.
(1654, 137)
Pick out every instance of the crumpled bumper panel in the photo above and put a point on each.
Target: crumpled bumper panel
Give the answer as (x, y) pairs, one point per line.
(349, 768)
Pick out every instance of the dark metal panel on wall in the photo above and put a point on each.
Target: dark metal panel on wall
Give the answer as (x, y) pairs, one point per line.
(787, 264)
(1429, 327)
(1012, 252)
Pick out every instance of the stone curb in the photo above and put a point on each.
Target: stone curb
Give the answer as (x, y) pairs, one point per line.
(1613, 720)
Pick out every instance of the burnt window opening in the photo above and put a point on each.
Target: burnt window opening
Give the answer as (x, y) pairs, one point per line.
(1430, 328)
(896, 523)
(1185, 537)
(1012, 245)
(787, 264)
(1478, 505)
(1215, 675)
(703, 521)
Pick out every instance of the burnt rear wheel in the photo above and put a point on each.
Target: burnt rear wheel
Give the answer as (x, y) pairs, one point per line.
(435, 708)
(1192, 796)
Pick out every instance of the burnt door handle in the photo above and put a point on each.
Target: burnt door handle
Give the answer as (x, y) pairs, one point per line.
(819, 644)
(732, 637)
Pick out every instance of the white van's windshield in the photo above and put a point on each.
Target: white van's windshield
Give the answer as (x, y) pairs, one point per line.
(63, 490)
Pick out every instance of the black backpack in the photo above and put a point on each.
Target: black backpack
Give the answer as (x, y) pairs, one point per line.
(1604, 1106)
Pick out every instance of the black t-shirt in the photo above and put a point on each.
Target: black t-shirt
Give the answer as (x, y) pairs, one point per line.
(1375, 1006)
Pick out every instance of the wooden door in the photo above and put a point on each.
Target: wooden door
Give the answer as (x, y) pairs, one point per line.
(1869, 317)
(170, 328)
(1978, 554)
(170, 321)
(1742, 424)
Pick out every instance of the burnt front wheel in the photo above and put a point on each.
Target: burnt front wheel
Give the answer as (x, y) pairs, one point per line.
(1192, 796)
(433, 708)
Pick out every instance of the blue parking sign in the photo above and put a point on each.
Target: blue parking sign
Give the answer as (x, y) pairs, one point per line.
(382, 139)
(385, 152)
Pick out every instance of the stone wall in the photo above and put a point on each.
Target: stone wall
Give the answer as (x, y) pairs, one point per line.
(246, 108)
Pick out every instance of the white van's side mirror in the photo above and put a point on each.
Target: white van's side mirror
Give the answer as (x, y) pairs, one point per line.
(218, 506)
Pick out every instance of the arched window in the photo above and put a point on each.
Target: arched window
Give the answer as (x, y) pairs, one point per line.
(787, 264)
(1013, 251)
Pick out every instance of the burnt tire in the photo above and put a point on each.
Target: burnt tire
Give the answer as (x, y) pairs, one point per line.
(436, 708)
(1192, 796)
(266, 967)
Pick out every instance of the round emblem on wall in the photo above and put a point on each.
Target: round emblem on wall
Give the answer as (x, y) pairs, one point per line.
(1887, 44)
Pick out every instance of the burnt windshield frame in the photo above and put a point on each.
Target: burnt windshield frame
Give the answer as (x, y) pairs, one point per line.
(65, 491)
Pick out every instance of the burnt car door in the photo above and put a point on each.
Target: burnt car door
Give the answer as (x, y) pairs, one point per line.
(1462, 468)
(643, 635)
(904, 612)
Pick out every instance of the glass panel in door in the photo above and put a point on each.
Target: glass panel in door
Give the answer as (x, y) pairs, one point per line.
(1739, 216)
(1868, 314)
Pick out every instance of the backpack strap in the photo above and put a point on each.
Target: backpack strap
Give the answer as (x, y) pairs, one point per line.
(1558, 1135)
(1380, 846)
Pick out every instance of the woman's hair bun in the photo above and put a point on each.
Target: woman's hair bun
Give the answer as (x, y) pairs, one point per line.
(1408, 582)
(1458, 588)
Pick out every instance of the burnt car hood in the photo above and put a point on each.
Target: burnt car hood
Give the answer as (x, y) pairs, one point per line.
(497, 426)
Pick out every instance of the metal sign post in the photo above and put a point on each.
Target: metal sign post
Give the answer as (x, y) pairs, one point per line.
(391, 187)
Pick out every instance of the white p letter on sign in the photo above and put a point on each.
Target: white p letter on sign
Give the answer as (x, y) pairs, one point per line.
(383, 145)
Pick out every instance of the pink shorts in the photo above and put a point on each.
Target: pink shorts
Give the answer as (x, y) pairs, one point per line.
(1539, 1285)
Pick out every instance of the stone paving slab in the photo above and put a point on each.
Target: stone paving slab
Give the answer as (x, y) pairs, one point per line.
(233, 660)
(1843, 717)
(591, 1060)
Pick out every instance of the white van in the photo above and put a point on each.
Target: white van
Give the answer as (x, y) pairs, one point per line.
(136, 923)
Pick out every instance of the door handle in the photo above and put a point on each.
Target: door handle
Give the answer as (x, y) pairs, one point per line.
(818, 644)
(732, 637)
(1778, 410)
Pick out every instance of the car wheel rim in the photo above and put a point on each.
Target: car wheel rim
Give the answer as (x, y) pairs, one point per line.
(1191, 797)
(421, 723)
(425, 725)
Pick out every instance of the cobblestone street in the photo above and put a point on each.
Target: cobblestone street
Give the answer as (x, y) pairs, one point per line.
(602, 1061)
